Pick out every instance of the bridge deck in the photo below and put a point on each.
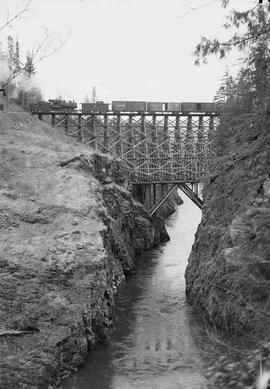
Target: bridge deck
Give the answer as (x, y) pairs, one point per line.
(123, 113)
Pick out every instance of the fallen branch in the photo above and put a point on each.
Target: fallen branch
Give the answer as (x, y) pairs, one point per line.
(14, 221)
(14, 332)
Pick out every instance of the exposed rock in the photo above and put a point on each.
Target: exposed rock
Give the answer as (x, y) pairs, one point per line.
(242, 373)
(69, 233)
(228, 273)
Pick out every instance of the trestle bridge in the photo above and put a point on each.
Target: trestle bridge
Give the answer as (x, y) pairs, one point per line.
(162, 151)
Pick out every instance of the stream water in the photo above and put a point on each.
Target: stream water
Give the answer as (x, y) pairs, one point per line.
(152, 345)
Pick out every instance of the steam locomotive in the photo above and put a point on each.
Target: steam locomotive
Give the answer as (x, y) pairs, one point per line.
(53, 105)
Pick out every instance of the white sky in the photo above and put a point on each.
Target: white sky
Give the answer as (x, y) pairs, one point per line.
(128, 49)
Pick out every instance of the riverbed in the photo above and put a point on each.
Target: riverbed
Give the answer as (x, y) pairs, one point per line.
(152, 344)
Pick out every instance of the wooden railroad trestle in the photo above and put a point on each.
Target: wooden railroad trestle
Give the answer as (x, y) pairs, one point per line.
(157, 147)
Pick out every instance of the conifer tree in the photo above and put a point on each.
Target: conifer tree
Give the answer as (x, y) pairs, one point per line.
(86, 99)
(29, 66)
(225, 90)
(94, 95)
(256, 25)
(11, 51)
(17, 61)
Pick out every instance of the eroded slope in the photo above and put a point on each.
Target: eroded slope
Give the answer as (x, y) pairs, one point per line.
(69, 231)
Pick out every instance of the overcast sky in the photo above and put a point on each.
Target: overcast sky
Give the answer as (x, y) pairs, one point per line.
(128, 49)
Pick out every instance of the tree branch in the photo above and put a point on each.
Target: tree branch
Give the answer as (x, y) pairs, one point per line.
(243, 40)
(17, 15)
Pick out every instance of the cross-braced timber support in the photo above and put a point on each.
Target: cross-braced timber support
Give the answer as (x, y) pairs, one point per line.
(191, 192)
(156, 147)
(161, 150)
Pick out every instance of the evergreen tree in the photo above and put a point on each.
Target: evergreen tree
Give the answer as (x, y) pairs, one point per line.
(86, 99)
(29, 66)
(17, 61)
(225, 90)
(251, 26)
(243, 92)
(94, 95)
(11, 52)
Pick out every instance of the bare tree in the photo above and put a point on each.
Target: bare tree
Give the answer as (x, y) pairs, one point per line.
(43, 49)
(39, 52)
(16, 16)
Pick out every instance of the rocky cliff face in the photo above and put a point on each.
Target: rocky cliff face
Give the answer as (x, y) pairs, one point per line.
(69, 232)
(228, 275)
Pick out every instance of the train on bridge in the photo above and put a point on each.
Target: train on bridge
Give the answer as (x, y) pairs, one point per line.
(54, 105)
(152, 107)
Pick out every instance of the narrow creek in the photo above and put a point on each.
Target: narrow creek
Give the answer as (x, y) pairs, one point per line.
(152, 345)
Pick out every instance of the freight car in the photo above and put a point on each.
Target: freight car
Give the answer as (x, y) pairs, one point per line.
(198, 107)
(99, 106)
(143, 106)
(155, 107)
(129, 106)
(173, 107)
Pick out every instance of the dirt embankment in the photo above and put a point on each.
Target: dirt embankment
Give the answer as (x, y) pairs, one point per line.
(69, 231)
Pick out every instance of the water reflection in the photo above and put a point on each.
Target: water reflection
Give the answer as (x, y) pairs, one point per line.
(152, 345)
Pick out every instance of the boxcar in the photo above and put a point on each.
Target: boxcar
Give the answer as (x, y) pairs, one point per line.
(99, 106)
(119, 105)
(198, 107)
(136, 106)
(173, 107)
(208, 107)
(155, 107)
(189, 107)
(129, 106)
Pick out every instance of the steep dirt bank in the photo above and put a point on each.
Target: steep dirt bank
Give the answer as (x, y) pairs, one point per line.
(69, 231)
(228, 274)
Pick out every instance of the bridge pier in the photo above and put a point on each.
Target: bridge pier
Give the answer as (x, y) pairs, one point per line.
(147, 197)
(150, 194)
(53, 119)
(195, 188)
(164, 189)
(145, 194)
